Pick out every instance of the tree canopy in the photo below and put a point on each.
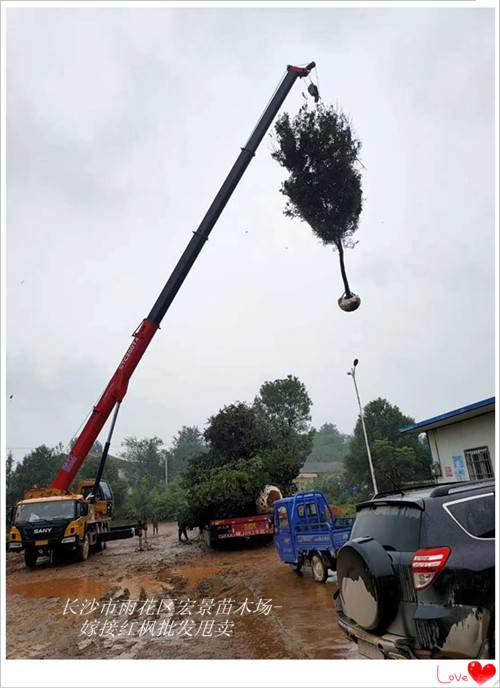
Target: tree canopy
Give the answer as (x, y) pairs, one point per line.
(39, 467)
(162, 502)
(323, 188)
(329, 445)
(397, 458)
(187, 443)
(250, 446)
(146, 458)
(236, 432)
(284, 406)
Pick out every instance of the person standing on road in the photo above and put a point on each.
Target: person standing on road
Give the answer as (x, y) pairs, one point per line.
(155, 525)
(140, 531)
(182, 524)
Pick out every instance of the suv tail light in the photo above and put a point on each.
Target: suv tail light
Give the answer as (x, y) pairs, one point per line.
(426, 565)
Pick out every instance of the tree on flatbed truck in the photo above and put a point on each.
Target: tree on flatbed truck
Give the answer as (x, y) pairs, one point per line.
(254, 454)
(239, 528)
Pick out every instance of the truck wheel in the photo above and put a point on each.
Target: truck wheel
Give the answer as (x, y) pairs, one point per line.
(106, 530)
(209, 539)
(319, 568)
(82, 551)
(298, 566)
(30, 557)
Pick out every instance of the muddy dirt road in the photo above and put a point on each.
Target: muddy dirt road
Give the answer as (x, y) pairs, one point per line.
(178, 601)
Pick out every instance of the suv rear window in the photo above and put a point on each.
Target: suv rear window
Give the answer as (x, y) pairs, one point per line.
(395, 527)
(476, 515)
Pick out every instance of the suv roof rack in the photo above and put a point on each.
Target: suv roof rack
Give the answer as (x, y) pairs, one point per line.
(438, 490)
(459, 486)
(405, 488)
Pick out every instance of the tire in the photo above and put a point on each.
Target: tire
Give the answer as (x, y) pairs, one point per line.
(30, 557)
(98, 547)
(319, 568)
(82, 551)
(298, 566)
(106, 530)
(210, 540)
(369, 590)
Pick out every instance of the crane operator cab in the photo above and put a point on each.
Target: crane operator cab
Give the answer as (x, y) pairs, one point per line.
(102, 498)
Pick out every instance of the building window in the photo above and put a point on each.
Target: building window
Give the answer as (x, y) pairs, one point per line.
(479, 463)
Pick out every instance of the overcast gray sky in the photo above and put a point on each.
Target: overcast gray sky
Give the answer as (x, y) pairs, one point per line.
(122, 123)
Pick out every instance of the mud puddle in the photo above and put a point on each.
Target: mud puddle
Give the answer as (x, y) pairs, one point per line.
(62, 588)
(300, 622)
(189, 578)
(91, 588)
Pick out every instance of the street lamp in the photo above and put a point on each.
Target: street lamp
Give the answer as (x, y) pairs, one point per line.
(352, 373)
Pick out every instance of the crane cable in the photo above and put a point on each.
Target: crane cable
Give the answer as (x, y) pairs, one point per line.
(317, 80)
(313, 88)
(267, 104)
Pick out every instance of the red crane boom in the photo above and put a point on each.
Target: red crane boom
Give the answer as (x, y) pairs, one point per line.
(117, 387)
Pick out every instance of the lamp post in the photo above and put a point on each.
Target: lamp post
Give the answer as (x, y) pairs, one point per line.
(352, 373)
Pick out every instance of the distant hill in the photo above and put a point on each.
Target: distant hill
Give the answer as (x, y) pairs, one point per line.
(329, 449)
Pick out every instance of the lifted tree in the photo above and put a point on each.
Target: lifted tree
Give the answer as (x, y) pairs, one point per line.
(319, 151)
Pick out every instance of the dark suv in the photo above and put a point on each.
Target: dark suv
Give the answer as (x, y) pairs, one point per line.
(417, 577)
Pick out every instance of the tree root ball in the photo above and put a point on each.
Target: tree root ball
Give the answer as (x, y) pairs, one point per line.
(266, 499)
(350, 303)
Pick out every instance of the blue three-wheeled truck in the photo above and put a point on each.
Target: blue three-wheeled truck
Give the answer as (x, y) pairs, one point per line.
(307, 532)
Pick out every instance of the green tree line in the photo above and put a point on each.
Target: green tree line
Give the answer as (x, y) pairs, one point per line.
(243, 447)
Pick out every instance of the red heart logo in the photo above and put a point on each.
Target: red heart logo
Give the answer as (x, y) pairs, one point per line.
(481, 674)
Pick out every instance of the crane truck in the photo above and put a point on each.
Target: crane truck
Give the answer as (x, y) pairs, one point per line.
(51, 522)
(50, 518)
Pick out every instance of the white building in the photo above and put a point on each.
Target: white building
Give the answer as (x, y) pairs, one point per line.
(462, 442)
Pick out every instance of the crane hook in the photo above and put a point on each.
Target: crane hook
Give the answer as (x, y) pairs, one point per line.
(313, 91)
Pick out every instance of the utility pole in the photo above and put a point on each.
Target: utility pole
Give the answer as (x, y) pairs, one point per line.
(352, 373)
(166, 468)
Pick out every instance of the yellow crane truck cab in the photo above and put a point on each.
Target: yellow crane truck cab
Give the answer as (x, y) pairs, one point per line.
(49, 521)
